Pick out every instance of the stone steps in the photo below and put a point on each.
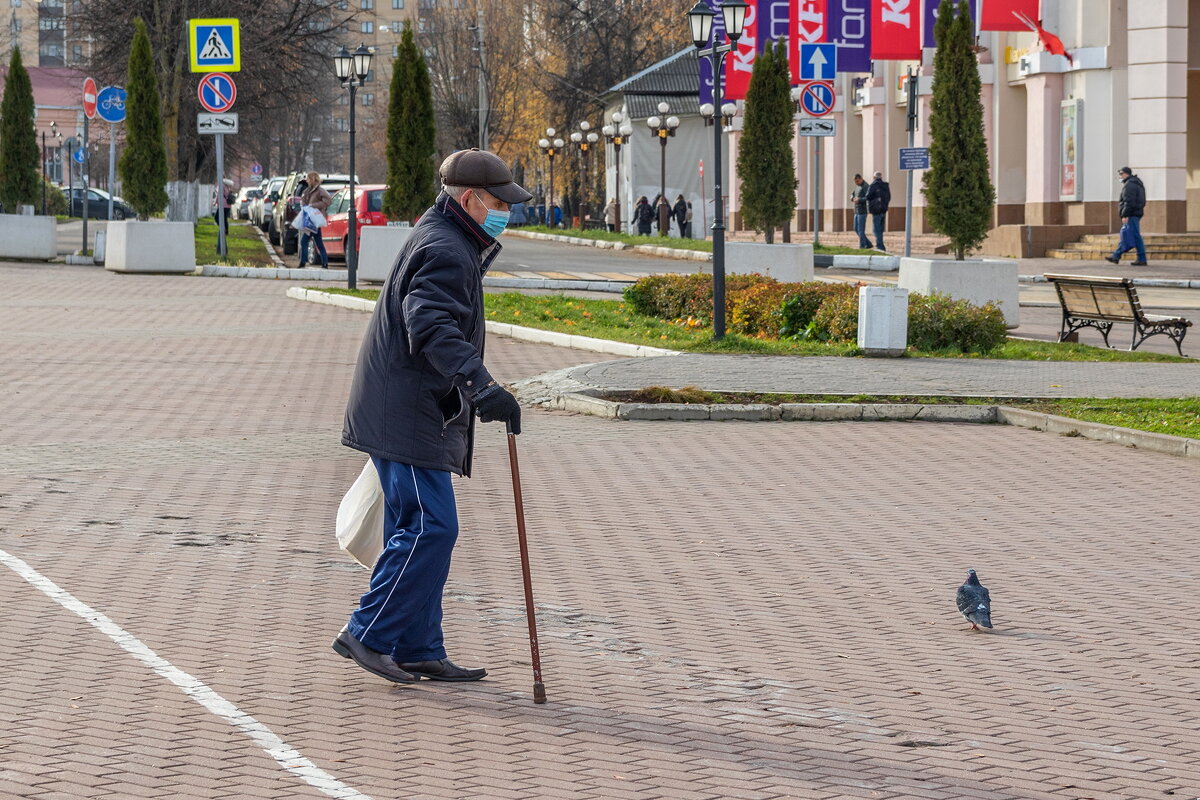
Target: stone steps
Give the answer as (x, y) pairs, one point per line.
(1098, 254)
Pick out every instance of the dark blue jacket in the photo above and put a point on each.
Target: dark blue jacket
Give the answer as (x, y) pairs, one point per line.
(1133, 197)
(422, 356)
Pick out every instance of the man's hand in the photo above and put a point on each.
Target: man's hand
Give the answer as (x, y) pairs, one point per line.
(494, 403)
(1124, 220)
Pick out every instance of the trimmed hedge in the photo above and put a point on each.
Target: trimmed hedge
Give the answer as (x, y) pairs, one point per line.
(767, 309)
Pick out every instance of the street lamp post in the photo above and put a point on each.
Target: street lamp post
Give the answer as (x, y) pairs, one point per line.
(617, 133)
(733, 13)
(46, 163)
(663, 128)
(550, 146)
(583, 138)
(351, 70)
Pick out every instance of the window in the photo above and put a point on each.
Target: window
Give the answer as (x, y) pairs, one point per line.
(370, 76)
(341, 124)
(375, 200)
(343, 99)
(397, 4)
(367, 27)
(77, 52)
(368, 98)
(395, 51)
(16, 25)
(343, 5)
(368, 5)
(50, 23)
(17, 3)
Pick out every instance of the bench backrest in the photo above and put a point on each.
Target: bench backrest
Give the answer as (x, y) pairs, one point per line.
(1093, 297)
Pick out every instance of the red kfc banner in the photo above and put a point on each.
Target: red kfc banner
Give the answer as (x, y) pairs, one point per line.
(895, 30)
(740, 63)
(808, 20)
(1006, 15)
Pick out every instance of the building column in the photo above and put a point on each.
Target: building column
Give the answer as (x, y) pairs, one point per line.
(1158, 60)
(1043, 103)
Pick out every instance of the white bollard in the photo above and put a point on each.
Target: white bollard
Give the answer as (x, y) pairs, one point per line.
(882, 320)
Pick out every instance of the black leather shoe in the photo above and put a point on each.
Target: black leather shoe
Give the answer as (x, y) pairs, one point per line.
(443, 670)
(1112, 260)
(381, 664)
(1139, 264)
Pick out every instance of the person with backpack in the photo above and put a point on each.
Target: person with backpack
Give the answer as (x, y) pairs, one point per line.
(879, 197)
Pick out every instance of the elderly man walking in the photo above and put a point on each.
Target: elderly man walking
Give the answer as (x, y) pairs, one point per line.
(419, 383)
(1132, 207)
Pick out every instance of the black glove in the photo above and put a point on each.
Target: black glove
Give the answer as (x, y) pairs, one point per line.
(496, 404)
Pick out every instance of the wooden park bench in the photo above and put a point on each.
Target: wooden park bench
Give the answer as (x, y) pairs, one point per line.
(1094, 302)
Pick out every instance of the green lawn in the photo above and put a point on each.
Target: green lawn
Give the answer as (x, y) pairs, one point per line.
(1175, 417)
(246, 249)
(612, 319)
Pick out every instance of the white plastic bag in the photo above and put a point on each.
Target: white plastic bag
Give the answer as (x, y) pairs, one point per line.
(298, 220)
(315, 218)
(360, 518)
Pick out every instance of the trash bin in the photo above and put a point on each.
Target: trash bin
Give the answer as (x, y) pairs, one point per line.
(882, 321)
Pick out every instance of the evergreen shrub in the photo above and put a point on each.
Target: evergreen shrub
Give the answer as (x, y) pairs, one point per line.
(939, 322)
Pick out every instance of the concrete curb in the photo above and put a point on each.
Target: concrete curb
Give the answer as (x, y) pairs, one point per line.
(874, 263)
(875, 412)
(646, 249)
(271, 273)
(79, 261)
(518, 332)
(1065, 426)
(1156, 283)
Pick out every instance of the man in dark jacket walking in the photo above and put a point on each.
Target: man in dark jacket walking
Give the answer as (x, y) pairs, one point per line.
(879, 198)
(420, 376)
(1132, 207)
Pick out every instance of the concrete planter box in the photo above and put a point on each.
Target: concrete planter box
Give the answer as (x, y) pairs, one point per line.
(153, 247)
(380, 246)
(788, 263)
(977, 281)
(24, 236)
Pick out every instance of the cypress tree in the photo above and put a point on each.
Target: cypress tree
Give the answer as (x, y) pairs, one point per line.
(411, 133)
(765, 161)
(143, 164)
(958, 187)
(20, 178)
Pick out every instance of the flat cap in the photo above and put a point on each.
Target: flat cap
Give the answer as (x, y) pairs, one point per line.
(479, 169)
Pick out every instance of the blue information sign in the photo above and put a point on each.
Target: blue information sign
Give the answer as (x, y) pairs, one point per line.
(818, 62)
(78, 156)
(110, 104)
(914, 158)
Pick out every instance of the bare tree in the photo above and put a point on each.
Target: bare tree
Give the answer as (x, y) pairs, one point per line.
(286, 89)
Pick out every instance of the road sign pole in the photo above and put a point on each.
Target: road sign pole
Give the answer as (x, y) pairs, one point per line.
(112, 166)
(220, 193)
(83, 193)
(817, 192)
(912, 132)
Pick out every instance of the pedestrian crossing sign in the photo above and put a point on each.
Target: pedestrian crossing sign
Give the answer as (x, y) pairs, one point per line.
(214, 45)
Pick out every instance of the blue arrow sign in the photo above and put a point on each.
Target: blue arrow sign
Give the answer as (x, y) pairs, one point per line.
(818, 62)
(110, 104)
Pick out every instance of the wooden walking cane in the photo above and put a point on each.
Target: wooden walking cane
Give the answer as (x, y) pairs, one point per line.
(539, 690)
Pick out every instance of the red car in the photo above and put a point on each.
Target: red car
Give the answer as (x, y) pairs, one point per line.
(369, 201)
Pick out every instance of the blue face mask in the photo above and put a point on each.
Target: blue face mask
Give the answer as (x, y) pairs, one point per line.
(495, 223)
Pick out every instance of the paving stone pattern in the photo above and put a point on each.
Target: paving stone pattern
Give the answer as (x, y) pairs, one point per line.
(901, 376)
(727, 610)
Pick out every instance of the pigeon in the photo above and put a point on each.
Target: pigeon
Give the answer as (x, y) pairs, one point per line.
(974, 602)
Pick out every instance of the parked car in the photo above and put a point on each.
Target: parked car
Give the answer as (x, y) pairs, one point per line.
(263, 207)
(97, 204)
(280, 231)
(241, 206)
(369, 204)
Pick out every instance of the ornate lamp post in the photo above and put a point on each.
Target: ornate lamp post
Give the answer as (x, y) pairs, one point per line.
(550, 146)
(583, 138)
(617, 133)
(700, 18)
(663, 129)
(352, 69)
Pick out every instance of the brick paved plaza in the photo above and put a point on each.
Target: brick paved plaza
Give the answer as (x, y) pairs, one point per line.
(727, 610)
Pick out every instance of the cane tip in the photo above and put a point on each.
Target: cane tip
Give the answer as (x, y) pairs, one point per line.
(539, 693)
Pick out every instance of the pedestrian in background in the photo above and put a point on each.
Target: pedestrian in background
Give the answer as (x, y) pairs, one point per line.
(419, 383)
(314, 198)
(688, 222)
(1132, 206)
(879, 198)
(680, 211)
(643, 213)
(225, 196)
(610, 216)
(859, 198)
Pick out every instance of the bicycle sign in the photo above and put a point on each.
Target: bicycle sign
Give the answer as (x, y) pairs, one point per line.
(110, 104)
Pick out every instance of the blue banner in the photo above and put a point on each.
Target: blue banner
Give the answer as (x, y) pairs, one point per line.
(930, 13)
(850, 29)
(706, 70)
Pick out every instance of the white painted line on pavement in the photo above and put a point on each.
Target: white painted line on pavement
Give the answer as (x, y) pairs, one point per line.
(287, 757)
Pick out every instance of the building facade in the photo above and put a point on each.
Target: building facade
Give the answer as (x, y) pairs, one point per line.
(1057, 130)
